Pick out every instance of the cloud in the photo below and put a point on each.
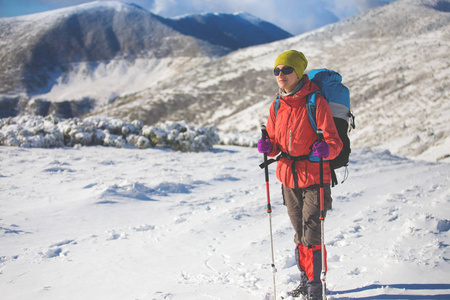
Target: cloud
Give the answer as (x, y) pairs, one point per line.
(346, 8)
(63, 3)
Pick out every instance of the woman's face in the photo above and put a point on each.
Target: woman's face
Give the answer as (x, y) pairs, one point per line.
(287, 82)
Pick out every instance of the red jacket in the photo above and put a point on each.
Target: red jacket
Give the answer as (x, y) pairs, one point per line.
(291, 132)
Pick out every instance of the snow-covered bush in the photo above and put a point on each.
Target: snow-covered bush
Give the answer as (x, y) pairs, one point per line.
(181, 136)
(50, 131)
(31, 131)
(140, 142)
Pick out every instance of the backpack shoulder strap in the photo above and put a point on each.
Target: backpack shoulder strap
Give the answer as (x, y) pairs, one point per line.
(277, 105)
(312, 108)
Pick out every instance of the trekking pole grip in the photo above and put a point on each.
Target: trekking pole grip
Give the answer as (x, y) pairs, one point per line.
(264, 134)
(320, 135)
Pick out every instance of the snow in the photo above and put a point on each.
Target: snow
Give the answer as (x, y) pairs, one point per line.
(246, 16)
(119, 223)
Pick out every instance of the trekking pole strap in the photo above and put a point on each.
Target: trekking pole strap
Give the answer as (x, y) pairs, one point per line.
(285, 155)
(268, 162)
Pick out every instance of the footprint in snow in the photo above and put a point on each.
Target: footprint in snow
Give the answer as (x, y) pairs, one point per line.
(53, 252)
(144, 227)
(62, 243)
(56, 249)
(112, 235)
(179, 220)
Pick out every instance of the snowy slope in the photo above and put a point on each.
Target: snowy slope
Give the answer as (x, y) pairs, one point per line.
(106, 223)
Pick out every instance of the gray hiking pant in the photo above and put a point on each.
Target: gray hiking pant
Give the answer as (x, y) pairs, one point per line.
(304, 212)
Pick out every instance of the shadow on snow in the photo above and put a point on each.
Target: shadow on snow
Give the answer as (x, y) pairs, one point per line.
(406, 287)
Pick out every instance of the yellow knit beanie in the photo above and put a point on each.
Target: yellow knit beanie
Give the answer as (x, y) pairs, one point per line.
(293, 58)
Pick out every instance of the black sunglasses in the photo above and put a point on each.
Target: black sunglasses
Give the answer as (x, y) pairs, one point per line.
(285, 71)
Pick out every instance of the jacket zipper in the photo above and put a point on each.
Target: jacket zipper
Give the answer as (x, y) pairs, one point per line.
(290, 132)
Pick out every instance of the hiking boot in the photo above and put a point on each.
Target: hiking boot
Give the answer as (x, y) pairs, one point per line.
(301, 290)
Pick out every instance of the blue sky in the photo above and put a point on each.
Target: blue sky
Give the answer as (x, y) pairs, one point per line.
(295, 16)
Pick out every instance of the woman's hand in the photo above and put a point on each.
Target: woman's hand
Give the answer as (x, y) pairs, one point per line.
(321, 149)
(264, 146)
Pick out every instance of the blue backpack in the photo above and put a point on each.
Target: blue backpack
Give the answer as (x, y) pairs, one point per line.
(338, 97)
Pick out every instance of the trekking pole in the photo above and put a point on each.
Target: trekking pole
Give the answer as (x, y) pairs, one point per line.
(264, 135)
(322, 219)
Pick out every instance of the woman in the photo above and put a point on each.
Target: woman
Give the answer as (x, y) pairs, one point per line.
(290, 132)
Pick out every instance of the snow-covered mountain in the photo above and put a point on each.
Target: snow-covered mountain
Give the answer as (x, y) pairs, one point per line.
(39, 51)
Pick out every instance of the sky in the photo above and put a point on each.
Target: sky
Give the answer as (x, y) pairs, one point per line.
(294, 16)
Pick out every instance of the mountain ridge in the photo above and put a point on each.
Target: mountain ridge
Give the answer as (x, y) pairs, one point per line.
(233, 31)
